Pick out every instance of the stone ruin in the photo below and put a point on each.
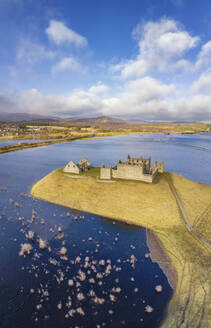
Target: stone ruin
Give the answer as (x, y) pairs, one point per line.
(83, 165)
(133, 169)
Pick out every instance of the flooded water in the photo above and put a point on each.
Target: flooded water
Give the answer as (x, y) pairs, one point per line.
(94, 272)
(8, 142)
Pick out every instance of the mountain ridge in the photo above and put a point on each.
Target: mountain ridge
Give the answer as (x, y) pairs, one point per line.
(77, 120)
(25, 117)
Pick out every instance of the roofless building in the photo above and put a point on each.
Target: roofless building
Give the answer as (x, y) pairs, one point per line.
(133, 169)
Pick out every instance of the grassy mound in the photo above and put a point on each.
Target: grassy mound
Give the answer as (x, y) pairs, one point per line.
(152, 206)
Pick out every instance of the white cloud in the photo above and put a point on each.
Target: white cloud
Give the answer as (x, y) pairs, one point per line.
(203, 84)
(175, 43)
(131, 68)
(79, 101)
(144, 98)
(99, 90)
(31, 53)
(183, 65)
(59, 33)
(148, 88)
(204, 57)
(161, 46)
(194, 108)
(67, 63)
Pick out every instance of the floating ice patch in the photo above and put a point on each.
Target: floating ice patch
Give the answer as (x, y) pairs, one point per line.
(63, 251)
(81, 275)
(148, 309)
(26, 249)
(80, 296)
(70, 282)
(42, 243)
(158, 288)
(30, 235)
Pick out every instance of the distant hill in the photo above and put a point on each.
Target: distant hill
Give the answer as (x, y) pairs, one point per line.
(137, 121)
(81, 121)
(101, 120)
(25, 117)
(94, 121)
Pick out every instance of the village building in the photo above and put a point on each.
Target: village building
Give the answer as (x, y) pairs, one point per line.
(83, 165)
(133, 169)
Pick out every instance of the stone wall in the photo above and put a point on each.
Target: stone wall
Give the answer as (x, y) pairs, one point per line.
(105, 173)
(84, 164)
(131, 172)
(159, 166)
(140, 170)
(70, 168)
(150, 178)
(125, 171)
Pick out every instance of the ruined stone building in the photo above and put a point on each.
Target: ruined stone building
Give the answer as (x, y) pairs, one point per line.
(83, 165)
(133, 169)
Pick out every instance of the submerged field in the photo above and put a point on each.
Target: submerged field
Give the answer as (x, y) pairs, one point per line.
(24, 145)
(152, 206)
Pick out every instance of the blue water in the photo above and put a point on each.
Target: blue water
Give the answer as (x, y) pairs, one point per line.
(123, 288)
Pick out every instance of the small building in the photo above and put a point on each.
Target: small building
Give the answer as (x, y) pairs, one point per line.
(71, 167)
(83, 165)
(133, 169)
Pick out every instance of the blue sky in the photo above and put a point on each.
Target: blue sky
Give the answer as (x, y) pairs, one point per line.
(145, 59)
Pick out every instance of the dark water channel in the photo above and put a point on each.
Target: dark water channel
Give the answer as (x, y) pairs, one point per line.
(105, 279)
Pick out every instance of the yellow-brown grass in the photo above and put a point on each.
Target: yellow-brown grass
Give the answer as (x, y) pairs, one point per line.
(152, 206)
(49, 127)
(6, 137)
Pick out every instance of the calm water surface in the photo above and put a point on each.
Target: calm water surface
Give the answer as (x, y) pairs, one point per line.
(105, 278)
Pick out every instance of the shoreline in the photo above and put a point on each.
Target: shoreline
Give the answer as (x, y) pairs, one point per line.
(21, 146)
(96, 136)
(182, 258)
(159, 255)
(101, 133)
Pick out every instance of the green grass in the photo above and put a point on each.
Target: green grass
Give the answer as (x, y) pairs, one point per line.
(92, 172)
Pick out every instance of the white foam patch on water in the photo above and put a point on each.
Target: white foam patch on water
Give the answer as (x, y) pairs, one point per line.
(26, 249)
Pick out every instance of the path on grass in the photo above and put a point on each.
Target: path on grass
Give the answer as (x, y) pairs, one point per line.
(187, 223)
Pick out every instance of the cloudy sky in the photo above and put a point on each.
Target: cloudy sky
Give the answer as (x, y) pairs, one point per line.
(140, 59)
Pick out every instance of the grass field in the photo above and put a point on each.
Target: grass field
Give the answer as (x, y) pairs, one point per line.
(6, 138)
(152, 206)
(49, 127)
